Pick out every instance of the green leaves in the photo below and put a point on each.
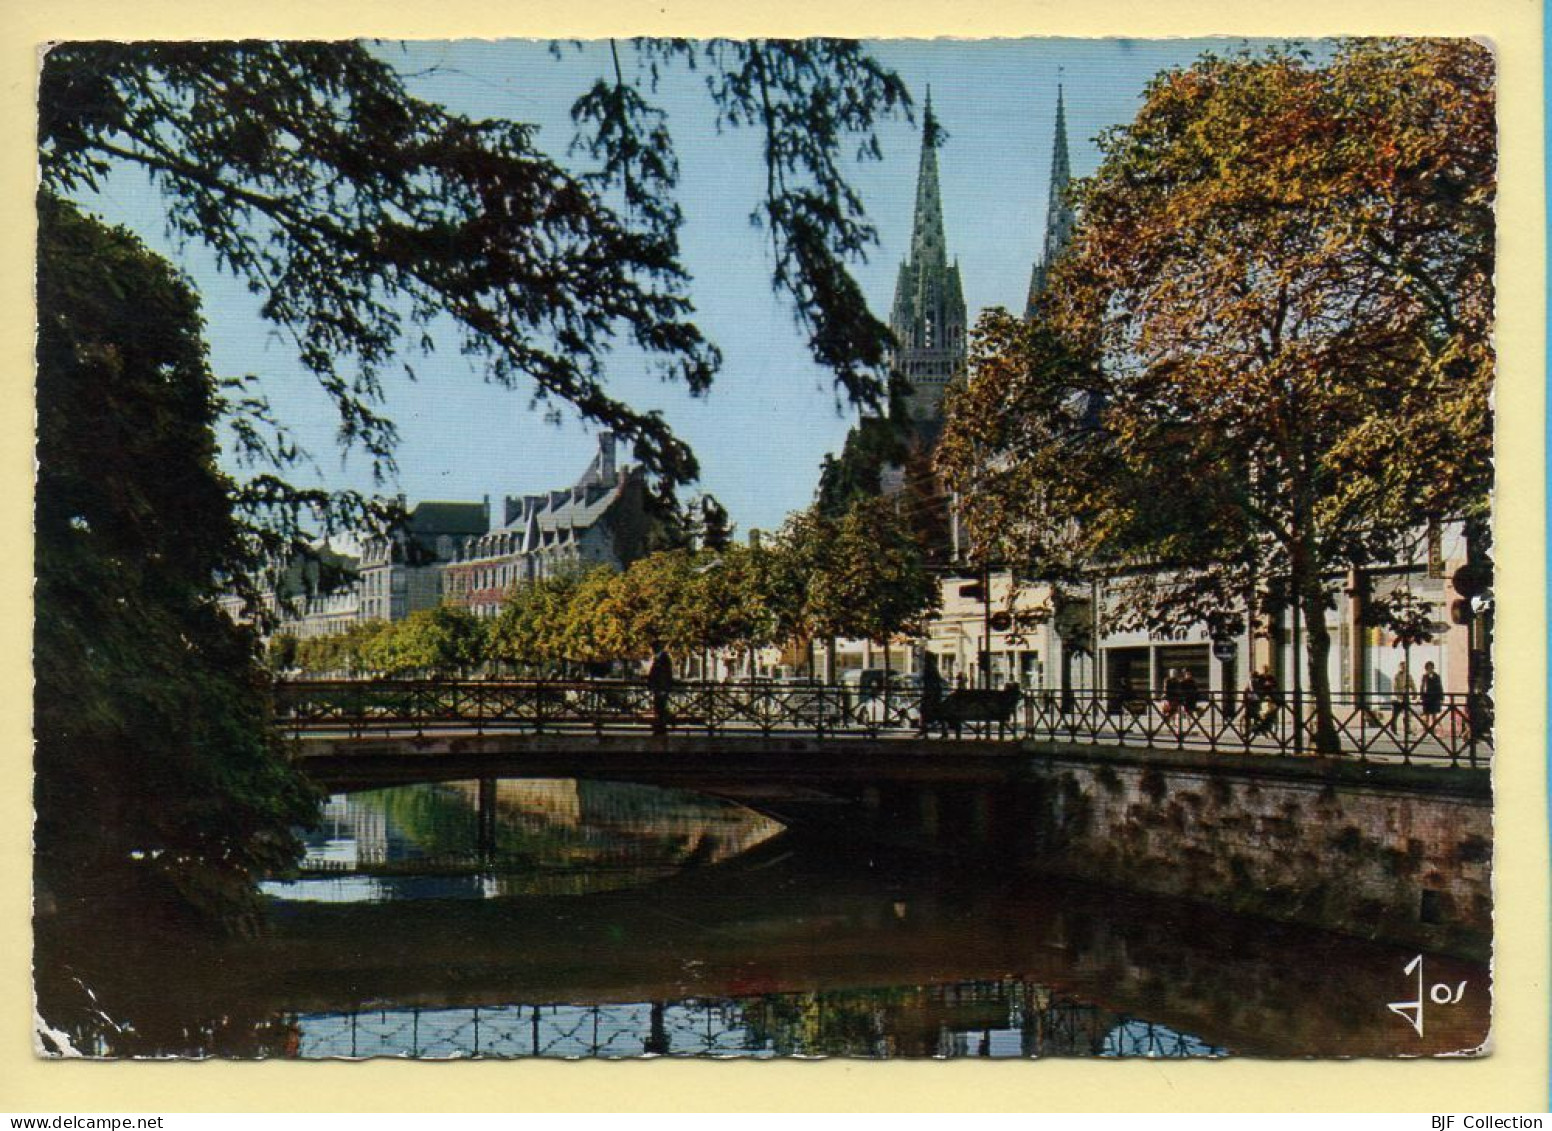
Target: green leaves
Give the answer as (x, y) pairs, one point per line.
(443, 641)
(363, 215)
(156, 768)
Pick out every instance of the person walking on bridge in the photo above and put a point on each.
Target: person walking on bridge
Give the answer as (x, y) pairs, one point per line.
(660, 682)
(1430, 690)
(932, 695)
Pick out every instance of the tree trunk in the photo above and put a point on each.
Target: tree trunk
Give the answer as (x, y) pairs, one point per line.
(889, 678)
(1317, 639)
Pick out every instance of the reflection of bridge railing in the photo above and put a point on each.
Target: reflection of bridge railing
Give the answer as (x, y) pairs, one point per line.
(848, 1023)
(1454, 730)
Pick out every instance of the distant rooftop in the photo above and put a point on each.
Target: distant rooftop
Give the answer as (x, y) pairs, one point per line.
(459, 519)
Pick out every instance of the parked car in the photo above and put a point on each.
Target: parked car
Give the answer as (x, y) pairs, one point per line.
(810, 703)
(863, 684)
(900, 707)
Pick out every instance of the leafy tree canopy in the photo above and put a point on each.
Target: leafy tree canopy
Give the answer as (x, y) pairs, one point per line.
(361, 214)
(1267, 353)
(156, 770)
(871, 582)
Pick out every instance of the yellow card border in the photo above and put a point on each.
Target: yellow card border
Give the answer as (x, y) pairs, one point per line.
(1513, 1078)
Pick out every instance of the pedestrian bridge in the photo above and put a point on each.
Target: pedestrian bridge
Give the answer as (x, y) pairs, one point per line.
(551, 717)
(1192, 800)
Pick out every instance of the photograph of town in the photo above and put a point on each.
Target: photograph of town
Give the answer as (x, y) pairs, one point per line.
(765, 548)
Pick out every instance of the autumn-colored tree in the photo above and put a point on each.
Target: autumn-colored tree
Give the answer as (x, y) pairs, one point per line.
(349, 651)
(868, 579)
(446, 640)
(1267, 354)
(739, 591)
(528, 631)
(602, 617)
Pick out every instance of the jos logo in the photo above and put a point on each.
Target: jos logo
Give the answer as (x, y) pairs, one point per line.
(1440, 993)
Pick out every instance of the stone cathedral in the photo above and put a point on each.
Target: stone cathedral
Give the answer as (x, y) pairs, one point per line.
(928, 318)
(929, 312)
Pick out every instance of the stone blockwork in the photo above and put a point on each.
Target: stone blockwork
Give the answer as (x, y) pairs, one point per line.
(1390, 852)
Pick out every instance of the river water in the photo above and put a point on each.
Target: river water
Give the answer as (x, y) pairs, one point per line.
(560, 918)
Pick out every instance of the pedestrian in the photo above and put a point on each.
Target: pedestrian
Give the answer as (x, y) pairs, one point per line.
(1431, 693)
(1171, 693)
(660, 682)
(1401, 692)
(1268, 698)
(1190, 692)
(932, 695)
(1252, 705)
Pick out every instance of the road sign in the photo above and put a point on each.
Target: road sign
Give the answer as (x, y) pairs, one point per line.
(1001, 621)
(1225, 650)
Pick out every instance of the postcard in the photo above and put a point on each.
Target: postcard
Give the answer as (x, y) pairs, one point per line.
(724, 549)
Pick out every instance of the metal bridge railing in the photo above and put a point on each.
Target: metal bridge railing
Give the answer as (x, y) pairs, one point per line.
(1454, 731)
(1457, 730)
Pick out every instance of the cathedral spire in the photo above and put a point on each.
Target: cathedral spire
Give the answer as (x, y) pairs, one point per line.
(1059, 217)
(929, 311)
(927, 243)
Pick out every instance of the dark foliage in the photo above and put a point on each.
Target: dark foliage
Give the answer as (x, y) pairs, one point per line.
(362, 214)
(156, 769)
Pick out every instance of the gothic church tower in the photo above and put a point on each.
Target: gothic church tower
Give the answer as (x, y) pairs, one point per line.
(1059, 218)
(929, 312)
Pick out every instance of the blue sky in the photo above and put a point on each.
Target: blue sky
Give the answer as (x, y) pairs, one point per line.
(772, 414)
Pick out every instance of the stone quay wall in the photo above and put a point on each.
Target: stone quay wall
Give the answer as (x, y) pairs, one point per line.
(1383, 851)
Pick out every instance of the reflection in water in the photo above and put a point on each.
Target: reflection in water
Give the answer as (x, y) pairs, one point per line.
(997, 1019)
(492, 838)
(584, 919)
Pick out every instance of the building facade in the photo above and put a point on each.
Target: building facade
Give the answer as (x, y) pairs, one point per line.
(1059, 640)
(402, 572)
(599, 521)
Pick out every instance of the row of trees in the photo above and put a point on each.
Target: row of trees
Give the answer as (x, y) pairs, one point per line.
(1266, 357)
(859, 576)
(373, 225)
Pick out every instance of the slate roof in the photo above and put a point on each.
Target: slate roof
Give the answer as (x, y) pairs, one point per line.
(437, 518)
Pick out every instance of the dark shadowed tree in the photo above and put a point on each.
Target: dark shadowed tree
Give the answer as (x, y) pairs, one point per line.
(157, 771)
(361, 214)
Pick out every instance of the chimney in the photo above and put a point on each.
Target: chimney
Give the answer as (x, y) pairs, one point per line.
(485, 510)
(605, 456)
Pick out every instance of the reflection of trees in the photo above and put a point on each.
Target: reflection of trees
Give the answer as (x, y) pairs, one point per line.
(579, 836)
(851, 1023)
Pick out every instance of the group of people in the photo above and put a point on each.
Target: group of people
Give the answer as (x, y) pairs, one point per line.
(1181, 692)
(1429, 691)
(1262, 699)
